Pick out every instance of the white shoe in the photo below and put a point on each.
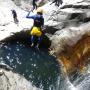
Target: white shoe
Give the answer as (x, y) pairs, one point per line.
(37, 46)
(32, 44)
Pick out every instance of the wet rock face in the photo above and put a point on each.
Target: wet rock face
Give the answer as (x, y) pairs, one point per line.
(70, 42)
(77, 56)
(69, 15)
(66, 19)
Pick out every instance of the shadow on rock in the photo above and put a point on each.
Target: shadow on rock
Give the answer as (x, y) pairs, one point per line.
(25, 38)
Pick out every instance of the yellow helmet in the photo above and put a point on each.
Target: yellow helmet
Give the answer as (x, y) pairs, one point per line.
(40, 10)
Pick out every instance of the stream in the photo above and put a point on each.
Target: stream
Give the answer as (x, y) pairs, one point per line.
(37, 66)
(40, 68)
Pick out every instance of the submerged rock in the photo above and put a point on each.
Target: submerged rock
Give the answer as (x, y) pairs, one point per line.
(10, 80)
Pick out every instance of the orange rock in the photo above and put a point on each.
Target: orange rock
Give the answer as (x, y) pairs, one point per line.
(76, 57)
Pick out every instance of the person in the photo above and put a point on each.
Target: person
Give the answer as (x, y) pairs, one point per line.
(57, 2)
(37, 29)
(34, 4)
(15, 16)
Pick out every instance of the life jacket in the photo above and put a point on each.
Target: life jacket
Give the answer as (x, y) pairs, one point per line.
(36, 31)
(38, 21)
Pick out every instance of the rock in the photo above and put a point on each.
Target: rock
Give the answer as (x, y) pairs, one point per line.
(1, 72)
(66, 27)
(10, 80)
(70, 22)
(7, 25)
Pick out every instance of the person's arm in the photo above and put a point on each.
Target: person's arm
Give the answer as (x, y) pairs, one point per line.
(33, 16)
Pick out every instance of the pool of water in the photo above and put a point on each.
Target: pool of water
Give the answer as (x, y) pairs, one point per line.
(37, 66)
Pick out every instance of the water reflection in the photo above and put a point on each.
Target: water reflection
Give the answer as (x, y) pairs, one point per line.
(37, 66)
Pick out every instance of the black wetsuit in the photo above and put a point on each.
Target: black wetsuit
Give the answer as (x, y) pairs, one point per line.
(57, 2)
(34, 4)
(15, 16)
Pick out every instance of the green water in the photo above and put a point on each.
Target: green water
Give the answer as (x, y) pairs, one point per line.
(37, 66)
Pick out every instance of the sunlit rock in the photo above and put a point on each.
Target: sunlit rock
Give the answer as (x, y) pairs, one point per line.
(71, 41)
(12, 81)
(7, 25)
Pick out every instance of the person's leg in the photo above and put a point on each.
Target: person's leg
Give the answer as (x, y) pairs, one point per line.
(32, 40)
(61, 1)
(58, 3)
(39, 41)
(35, 6)
(33, 3)
(16, 20)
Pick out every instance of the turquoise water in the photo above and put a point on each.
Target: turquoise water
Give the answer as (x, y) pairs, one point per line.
(37, 66)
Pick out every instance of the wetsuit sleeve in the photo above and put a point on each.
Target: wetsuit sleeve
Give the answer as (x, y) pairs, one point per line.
(33, 17)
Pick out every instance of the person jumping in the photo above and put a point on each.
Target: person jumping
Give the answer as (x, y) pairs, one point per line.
(37, 29)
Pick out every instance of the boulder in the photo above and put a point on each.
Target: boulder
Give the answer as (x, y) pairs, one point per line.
(10, 80)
